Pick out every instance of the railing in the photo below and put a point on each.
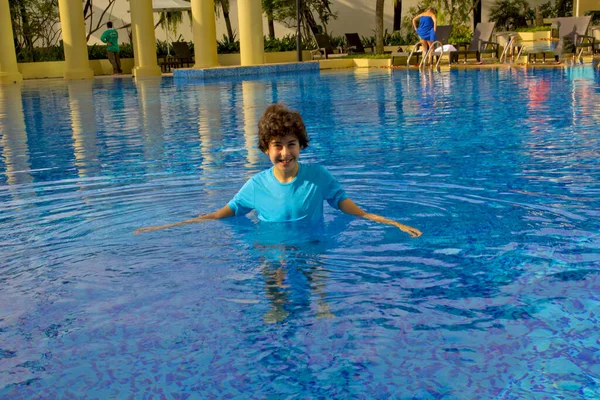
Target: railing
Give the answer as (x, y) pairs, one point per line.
(512, 42)
(431, 50)
(414, 49)
(425, 56)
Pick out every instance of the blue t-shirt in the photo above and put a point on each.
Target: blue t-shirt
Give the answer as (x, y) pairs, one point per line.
(298, 200)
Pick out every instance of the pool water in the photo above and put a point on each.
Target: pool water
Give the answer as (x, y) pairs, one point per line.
(498, 299)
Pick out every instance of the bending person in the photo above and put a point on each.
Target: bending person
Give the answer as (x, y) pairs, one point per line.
(426, 29)
(288, 191)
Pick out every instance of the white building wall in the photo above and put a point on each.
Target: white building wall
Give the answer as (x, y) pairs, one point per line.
(353, 16)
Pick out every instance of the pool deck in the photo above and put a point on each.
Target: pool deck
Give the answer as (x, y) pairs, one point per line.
(316, 66)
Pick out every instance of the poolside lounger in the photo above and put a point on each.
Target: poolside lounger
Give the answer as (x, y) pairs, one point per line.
(181, 57)
(480, 43)
(582, 40)
(570, 37)
(181, 52)
(355, 44)
(325, 48)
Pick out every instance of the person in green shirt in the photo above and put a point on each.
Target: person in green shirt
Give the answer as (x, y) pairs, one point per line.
(111, 38)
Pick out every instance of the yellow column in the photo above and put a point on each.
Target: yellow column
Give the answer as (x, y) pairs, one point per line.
(205, 33)
(142, 24)
(9, 73)
(73, 35)
(252, 45)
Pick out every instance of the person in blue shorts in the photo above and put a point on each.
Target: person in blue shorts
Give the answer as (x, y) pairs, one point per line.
(289, 191)
(427, 28)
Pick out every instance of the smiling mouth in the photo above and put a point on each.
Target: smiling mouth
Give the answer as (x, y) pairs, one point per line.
(286, 161)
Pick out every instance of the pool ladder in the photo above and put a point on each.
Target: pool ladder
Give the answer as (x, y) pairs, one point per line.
(512, 40)
(423, 63)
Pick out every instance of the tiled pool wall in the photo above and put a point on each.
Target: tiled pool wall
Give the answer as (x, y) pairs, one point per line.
(253, 70)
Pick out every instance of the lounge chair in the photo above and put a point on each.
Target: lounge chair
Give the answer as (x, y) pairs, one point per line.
(480, 43)
(596, 34)
(355, 44)
(182, 53)
(442, 34)
(569, 37)
(325, 48)
(581, 39)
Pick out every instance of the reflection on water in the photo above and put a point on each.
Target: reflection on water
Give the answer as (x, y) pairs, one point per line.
(15, 151)
(83, 123)
(151, 113)
(254, 101)
(498, 298)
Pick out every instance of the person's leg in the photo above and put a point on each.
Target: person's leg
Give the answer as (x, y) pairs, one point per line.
(429, 44)
(424, 47)
(118, 62)
(113, 62)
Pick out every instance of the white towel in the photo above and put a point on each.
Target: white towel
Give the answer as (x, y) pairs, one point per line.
(447, 48)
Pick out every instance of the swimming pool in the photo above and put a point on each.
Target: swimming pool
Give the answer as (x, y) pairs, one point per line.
(498, 299)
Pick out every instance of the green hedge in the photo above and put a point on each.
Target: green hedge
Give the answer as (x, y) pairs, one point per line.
(98, 51)
(535, 29)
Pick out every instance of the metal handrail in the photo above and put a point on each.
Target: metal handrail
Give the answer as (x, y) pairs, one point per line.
(512, 39)
(411, 53)
(432, 48)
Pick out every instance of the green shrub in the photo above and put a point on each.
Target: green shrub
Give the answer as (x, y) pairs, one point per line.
(460, 34)
(126, 50)
(595, 17)
(228, 46)
(511, 14)
(535, 29)
(368, 55)
(395, 39)
(286, 43)
(97, 52)
(163, 48)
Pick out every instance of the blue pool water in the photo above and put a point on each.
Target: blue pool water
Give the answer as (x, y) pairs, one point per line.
(498, 299)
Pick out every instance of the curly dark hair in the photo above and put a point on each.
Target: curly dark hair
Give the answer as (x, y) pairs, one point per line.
(278, 121)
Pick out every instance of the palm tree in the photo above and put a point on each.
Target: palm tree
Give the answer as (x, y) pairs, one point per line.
(379, 26)
(268, 7)
(225, 7)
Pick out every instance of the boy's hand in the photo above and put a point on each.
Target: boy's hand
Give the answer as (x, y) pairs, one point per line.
(413, 232)
(147, 229)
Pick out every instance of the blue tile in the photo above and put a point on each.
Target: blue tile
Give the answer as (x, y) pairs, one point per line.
(227, 72)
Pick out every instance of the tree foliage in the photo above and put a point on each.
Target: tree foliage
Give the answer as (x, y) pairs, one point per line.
(95, 21)
(284, 11)
(510, 14)
(34, 23)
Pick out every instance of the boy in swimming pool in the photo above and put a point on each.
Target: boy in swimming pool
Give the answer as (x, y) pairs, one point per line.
(288, 191)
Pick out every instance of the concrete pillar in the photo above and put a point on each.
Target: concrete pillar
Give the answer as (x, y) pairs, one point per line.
(142, 24)
(252, 45)
(205, 33)
(73, 35)
(9, 73)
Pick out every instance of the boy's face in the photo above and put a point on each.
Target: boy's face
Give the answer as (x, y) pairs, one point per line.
(284, 153)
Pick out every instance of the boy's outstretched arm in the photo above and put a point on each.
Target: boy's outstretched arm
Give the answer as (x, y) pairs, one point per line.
(349, 207)
(224, 212)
